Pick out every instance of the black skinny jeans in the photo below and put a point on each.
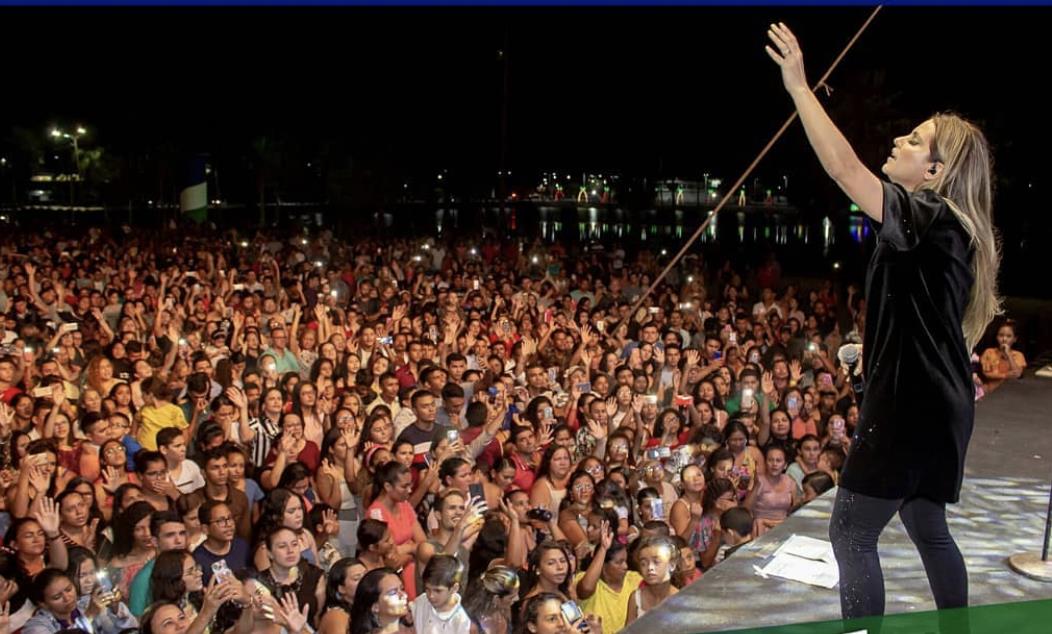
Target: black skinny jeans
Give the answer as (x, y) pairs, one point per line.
(856, 524)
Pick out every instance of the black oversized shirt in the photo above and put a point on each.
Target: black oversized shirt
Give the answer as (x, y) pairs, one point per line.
(919, 408)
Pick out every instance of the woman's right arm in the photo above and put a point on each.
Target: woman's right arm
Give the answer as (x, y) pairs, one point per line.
(571, 528)
(834, 152)
(587, 585)
(270, 478)
(18, 495)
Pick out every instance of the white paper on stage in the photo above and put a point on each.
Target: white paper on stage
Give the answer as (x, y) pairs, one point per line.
(808, 548)
(806, 560)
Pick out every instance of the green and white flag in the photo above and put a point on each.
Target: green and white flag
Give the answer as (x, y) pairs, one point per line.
(193, 200)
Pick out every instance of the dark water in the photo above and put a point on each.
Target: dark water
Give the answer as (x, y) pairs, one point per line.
(813, 246)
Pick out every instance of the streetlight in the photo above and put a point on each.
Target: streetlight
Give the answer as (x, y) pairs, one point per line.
(79, 131)
(3, 170)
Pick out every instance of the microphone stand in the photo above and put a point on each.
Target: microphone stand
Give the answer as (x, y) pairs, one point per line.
(1033, 565)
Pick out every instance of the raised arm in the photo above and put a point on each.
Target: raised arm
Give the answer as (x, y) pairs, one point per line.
(834, 152)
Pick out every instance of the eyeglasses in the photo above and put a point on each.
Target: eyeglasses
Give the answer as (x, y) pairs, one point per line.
(223, 520)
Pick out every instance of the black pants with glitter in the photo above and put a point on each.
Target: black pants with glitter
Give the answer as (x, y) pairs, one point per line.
(856, 525)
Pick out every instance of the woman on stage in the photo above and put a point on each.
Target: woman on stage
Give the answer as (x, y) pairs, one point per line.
(931, 290)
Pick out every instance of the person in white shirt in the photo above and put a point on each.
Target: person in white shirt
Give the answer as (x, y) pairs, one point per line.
(762, 309)
(438, 609)
(185, 474)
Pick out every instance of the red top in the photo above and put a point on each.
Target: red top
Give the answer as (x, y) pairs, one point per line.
(310, 456)
(401, 529)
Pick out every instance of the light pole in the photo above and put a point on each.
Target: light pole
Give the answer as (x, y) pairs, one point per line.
(77, 133)
(4, 169)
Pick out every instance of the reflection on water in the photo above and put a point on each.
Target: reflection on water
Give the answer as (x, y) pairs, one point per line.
(807, 239)
(736, 227)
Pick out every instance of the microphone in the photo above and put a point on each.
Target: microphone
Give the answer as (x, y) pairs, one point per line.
(849, 355)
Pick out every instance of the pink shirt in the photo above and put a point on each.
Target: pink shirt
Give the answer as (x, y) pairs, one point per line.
(401, 529)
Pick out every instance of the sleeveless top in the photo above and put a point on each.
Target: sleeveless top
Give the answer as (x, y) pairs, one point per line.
(348, 502)
(556, 495)
(771, 504)
(303, 587)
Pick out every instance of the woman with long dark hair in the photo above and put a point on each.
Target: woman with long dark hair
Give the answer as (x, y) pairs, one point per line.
(83, 570)
(132, 544)
(380, 604)
(340, 587)
(57, 599)
(284, 509)
(31, 545)
(931, 291)
(549, 571)
(393, 486)
(339, 463)
(287, 573)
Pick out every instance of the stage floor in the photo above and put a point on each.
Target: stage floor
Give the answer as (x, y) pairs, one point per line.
(1002, 511)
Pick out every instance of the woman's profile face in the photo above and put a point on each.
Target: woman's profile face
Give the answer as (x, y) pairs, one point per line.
(910, 161)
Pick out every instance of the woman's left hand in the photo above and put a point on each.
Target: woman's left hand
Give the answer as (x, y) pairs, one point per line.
(786, 53)
(593, 623)
(48, 517)
(99, 602)
(8, 589)
(290, 614)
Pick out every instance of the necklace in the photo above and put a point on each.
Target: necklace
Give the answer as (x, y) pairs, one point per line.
(281, 588)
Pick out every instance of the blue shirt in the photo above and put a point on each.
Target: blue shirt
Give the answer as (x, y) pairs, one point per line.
(237, 559)
(131, 447)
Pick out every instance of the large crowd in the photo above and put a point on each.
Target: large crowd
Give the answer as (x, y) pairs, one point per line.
(303, 434)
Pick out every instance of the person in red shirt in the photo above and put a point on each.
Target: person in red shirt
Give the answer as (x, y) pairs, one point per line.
(524, 447)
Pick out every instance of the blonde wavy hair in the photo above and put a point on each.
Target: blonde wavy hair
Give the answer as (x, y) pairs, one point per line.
(966, 183)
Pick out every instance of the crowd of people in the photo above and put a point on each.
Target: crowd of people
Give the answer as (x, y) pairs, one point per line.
(302, 434)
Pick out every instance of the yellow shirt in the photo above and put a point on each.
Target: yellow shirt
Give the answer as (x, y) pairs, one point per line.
(154, 419)
(611, 606)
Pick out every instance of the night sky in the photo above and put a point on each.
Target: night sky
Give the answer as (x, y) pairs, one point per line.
(607, 88)
(665, 92)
